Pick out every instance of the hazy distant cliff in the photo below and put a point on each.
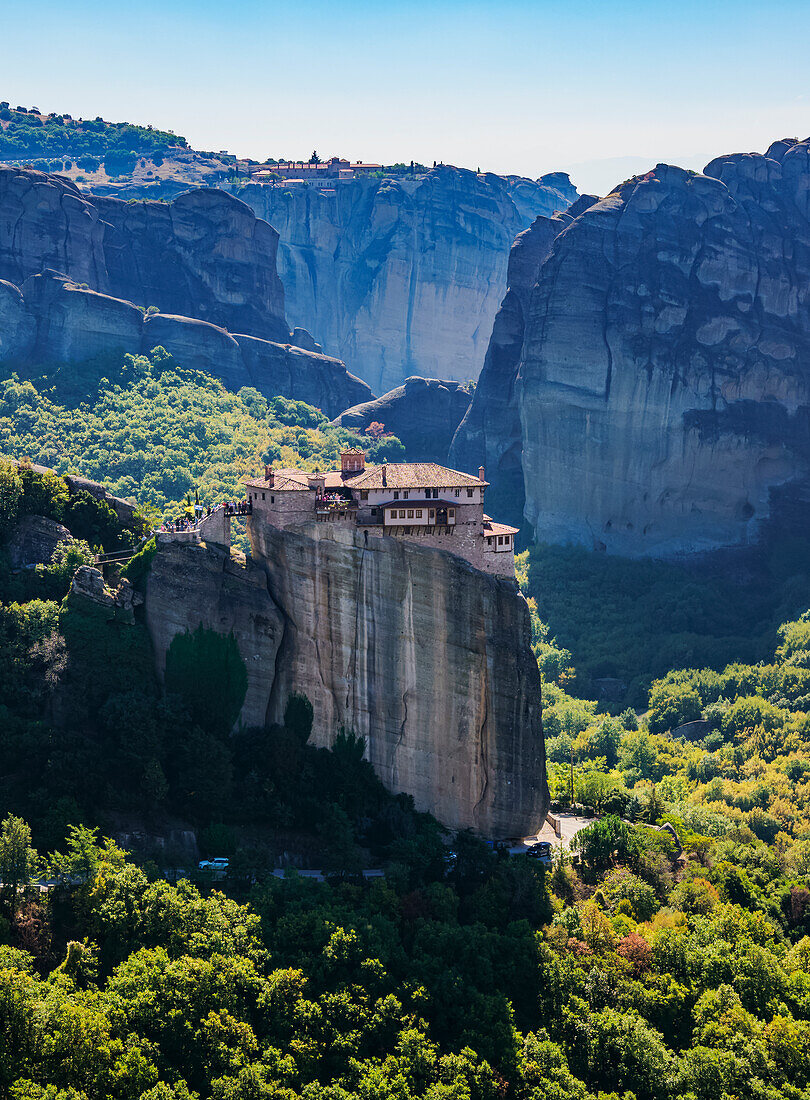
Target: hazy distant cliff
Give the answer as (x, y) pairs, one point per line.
(399, 276)
(662, 385)
(425, 657)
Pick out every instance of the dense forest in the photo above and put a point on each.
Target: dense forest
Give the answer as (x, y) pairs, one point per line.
(634, 968)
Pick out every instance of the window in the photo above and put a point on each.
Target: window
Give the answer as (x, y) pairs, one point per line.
(508, 539)
(405, 495)
(452, 513)
(418, 513)
(262, 496)
(500, 540)
(470, 493)
(374, 512)
(396, 496)
(364, 494)
(410, 513)
(272, 500)
(402, 513)
(458, 492)
(489, 540)
(432, 515)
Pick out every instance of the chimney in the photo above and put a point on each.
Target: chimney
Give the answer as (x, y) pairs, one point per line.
(269, 476)
(480, 473)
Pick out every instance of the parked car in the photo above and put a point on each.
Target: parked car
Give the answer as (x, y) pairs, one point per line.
(218, 864)
(541, 850)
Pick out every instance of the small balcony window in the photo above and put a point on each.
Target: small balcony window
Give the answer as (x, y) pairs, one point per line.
(402, 513)
(418, 513)
(470, 493)
(410, 513)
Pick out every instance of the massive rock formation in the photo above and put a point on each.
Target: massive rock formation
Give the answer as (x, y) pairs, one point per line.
(490, 434)
(422, 655)
(424, 413)
(206, 255)
(662, 385)
(403, 276)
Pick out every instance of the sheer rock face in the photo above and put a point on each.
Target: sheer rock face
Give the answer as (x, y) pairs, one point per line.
(204, 255)
(490, 434)
(424, 413)
(402, 277)
(426, 658)
(659, 395)
(17, 327)
(664, 382)
(189, 585)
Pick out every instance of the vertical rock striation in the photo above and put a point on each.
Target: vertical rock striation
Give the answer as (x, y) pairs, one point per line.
(661, 386)
(490, 433)
(403, 276)
(413, 649)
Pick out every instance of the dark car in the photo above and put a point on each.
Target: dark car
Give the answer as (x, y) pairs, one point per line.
(540, 850)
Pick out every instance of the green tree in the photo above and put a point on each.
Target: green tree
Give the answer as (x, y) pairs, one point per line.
(18, 859)
(207, 671)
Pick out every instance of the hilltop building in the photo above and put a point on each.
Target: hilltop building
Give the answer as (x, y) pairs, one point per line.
(319, 171)
(418, 501)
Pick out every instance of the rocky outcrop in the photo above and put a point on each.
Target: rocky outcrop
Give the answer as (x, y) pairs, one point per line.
(423, 413)
(426, 658)
(55, 320)
(205, 254)
(32, 541)
(124, 511)
(661, 385)
(403, 276)
(490, 434)
(301, 375)
(664, 389)
(88, 585)
(73, 323)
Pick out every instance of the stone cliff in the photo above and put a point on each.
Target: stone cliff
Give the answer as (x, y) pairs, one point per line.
(490, 432)
(403, 276)
(205, 255)
(662, 386)
(426, 658)
(423, 412)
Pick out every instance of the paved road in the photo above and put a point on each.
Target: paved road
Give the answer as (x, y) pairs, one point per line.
(570, 825)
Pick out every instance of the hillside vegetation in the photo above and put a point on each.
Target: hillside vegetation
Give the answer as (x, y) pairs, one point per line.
(25, 133)
(645, 970)
(633, 621)
(152, 431)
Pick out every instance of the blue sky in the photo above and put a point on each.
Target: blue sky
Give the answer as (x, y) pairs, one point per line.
(602, 89)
